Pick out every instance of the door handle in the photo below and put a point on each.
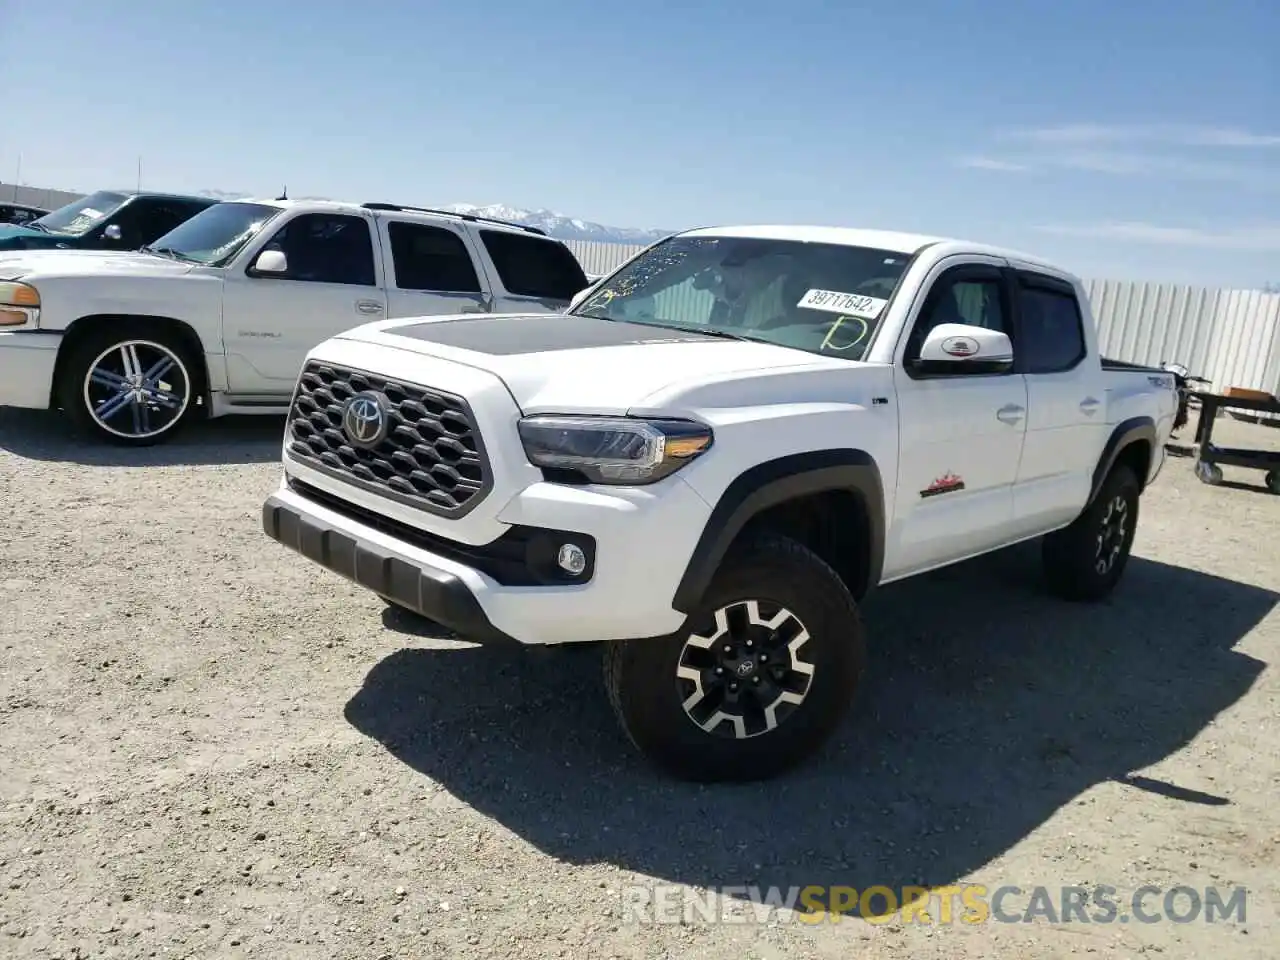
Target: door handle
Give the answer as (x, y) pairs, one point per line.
(1089, 406)
(368, 306)
(1010, 413)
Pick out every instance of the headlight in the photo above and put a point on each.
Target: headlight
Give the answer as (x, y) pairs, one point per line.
(617, 450)
(19, 304)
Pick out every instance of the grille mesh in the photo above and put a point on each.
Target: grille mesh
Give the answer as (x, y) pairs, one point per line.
(431, 456)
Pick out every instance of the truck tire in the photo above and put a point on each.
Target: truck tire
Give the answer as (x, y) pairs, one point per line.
(1085, 560)
(130, 383)
(759, 682)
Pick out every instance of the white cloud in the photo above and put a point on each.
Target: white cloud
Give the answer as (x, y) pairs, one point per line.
(1263, 238)
(1168, 134)
(992, 163)
(1166, 165)
(1130, 164)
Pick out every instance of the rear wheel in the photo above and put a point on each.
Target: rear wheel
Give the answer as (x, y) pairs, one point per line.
(131, 384)
(1086, 560)
(761, 680)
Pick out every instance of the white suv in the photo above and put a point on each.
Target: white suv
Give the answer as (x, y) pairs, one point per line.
(216, 316)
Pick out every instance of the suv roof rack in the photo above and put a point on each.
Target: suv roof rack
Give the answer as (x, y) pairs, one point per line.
(453, 213)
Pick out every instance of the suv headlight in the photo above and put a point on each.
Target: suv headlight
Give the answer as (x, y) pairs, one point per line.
(616, 450)
(19, 304)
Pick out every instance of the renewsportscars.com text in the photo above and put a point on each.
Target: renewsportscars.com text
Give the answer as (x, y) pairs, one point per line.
(959, 903)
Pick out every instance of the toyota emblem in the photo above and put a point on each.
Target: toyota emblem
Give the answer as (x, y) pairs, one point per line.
(364, 419)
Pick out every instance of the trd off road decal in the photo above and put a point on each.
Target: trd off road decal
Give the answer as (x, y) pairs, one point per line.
(947, 483)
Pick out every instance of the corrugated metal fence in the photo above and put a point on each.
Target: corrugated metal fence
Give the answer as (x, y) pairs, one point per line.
(36, 196)
(1230, 336)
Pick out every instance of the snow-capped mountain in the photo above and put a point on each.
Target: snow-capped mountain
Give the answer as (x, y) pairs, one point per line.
(560, 226)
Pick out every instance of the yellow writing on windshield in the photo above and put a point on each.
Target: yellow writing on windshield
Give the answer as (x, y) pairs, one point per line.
(858, 332)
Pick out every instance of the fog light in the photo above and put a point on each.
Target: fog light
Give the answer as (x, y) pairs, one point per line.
(571, 559)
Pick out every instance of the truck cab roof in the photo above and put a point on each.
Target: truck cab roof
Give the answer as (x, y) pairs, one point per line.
(894, 241)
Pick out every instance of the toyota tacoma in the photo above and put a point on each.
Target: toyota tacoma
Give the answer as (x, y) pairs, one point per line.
(713, 455)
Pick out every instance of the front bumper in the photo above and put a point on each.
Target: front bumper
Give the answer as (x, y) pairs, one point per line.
(640, 543)
(27, 360)
(433, 592)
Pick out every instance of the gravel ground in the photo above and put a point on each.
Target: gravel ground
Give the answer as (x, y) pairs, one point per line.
(211, 748)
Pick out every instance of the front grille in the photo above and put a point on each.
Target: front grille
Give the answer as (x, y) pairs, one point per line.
(430, 458)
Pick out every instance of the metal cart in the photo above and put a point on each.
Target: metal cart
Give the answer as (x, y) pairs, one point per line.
(1208, 456)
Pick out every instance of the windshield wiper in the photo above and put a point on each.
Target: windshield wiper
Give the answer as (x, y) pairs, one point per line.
(36, 225)
(169, 252)
(685, 327)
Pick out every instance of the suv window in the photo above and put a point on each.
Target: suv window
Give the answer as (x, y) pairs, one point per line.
(1052, 330)
(325, 248)
(16, 215)
(147, 219)
(533, 267)
(966, 297)
(431, 258)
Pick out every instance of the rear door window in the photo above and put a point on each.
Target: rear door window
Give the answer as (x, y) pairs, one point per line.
(531, 266)
(1051, 329)
(431, 258)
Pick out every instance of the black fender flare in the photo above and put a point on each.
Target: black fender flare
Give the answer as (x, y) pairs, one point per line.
(774, 482)
(1126, 433)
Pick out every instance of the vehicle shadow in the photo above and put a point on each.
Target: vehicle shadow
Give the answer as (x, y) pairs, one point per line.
(45, 435)
(986, 708)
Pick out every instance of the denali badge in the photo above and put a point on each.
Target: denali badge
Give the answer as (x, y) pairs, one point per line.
(364, 419)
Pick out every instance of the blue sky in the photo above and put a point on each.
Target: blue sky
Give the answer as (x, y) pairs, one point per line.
(1130, 139)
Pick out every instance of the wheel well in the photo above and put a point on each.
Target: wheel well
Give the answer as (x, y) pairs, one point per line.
(85, 326)
(1137, 457)
(834, 524)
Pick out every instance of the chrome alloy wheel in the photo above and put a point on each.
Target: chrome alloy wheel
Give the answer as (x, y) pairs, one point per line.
(746, 675)
(137, 389)
(1115, 524)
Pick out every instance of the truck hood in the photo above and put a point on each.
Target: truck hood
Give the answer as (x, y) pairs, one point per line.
(557, 362)
(15, 237)
(85, 263)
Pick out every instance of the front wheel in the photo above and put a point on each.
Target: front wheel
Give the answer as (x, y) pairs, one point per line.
(1085, 560)
(130, 384)
(761, 679)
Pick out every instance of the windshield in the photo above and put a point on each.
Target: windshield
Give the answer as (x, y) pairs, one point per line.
(82, 215)
(216, 233)
(821, 297)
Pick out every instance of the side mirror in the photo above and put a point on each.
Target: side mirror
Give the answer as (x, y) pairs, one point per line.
(582, 294)
(271, 261)
(113, 232)
(958, 349)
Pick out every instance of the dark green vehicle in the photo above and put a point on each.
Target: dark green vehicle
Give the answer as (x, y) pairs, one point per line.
(106, 220)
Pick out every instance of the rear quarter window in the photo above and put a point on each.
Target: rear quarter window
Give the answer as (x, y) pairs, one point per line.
(530, 266)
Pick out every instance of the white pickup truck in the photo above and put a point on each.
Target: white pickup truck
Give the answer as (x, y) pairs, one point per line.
(713, 455)
(216, 316)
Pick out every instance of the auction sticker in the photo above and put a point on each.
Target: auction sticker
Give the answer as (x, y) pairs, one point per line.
(850, 304)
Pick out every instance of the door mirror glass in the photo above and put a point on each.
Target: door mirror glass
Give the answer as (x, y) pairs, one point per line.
(113, 233)
(271, 261)
(959, 348)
